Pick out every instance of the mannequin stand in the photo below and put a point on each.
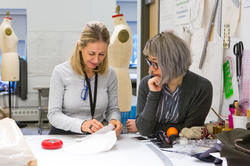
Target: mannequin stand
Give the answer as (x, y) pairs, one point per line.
(20, 125)
(9, 90)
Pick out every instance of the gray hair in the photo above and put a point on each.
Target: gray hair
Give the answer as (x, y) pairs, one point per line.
(172, 53)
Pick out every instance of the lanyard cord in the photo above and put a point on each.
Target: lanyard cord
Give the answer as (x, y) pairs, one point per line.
(92, 105)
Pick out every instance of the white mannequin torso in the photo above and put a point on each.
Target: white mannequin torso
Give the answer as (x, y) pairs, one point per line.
(8, 46)
(120, 52)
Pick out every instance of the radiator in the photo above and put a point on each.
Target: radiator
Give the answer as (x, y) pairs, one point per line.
(25, 113)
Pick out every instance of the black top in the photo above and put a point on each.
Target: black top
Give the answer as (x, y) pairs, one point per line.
(195, 101)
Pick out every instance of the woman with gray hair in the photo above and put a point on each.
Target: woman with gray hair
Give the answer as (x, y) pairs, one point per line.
(172, 96)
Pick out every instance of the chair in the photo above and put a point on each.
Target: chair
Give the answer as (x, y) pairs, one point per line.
(43, 97)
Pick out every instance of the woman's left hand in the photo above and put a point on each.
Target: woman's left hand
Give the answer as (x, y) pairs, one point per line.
(118, 126)
(131, 126)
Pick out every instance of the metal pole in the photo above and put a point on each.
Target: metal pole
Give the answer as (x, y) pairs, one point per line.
(211, 23)
(9, 98)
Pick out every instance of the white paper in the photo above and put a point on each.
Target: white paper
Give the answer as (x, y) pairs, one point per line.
(182, 12)
(231, 15)
(217, 155)
(167, 16)
(246, 4)
(197, 43)
(196, 13)
(212, 66)
(102, 140)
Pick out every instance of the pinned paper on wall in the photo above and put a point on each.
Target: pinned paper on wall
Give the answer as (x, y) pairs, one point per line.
(246, 4)
(212, 67)
(196, 13)
(167, 16)
(182, 15)
(231, 15)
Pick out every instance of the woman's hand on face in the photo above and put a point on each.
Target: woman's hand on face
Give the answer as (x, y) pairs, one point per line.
(131, 126)
(91, 126)
(118, 126)
(154, 84)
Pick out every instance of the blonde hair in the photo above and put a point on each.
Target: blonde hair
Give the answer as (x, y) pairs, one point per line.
(93, 32)
(173, 55)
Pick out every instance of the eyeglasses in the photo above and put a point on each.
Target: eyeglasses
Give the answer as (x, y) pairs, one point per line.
(84, 93)
(154, 64)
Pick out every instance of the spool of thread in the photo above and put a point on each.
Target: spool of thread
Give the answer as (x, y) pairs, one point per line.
(236, 105)
(230, 117)
(248, 113)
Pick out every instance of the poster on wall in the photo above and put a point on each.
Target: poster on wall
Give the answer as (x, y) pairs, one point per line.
(182, 12)
(167, 16)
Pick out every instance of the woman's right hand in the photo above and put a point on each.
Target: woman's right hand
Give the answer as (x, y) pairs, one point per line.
(154, 84)
(91, 126)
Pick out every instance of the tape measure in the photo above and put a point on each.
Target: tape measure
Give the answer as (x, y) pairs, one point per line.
(52, 144)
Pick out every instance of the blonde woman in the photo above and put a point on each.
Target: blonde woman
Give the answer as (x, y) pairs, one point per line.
(83, 91)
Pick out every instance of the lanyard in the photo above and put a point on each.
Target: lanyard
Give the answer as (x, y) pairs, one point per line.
(92, 104)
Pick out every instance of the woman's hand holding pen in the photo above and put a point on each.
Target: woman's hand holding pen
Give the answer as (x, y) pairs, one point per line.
(91, 126)
(154, 84)
(118, 126)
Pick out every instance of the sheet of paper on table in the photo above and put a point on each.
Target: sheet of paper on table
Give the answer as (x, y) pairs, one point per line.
(102, 140)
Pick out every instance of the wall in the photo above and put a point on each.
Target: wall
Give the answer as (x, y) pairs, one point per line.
(53, 27)
(244, 36)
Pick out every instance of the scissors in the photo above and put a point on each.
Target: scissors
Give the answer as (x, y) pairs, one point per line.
(238, 52)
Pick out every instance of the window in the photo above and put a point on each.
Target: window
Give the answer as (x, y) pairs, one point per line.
(129, 10)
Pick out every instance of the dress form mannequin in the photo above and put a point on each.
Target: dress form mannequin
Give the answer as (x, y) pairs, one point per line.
(120, 52)
(8, 46)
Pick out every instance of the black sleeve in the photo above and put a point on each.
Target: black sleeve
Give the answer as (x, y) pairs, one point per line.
(198, 111)
(147, 104)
